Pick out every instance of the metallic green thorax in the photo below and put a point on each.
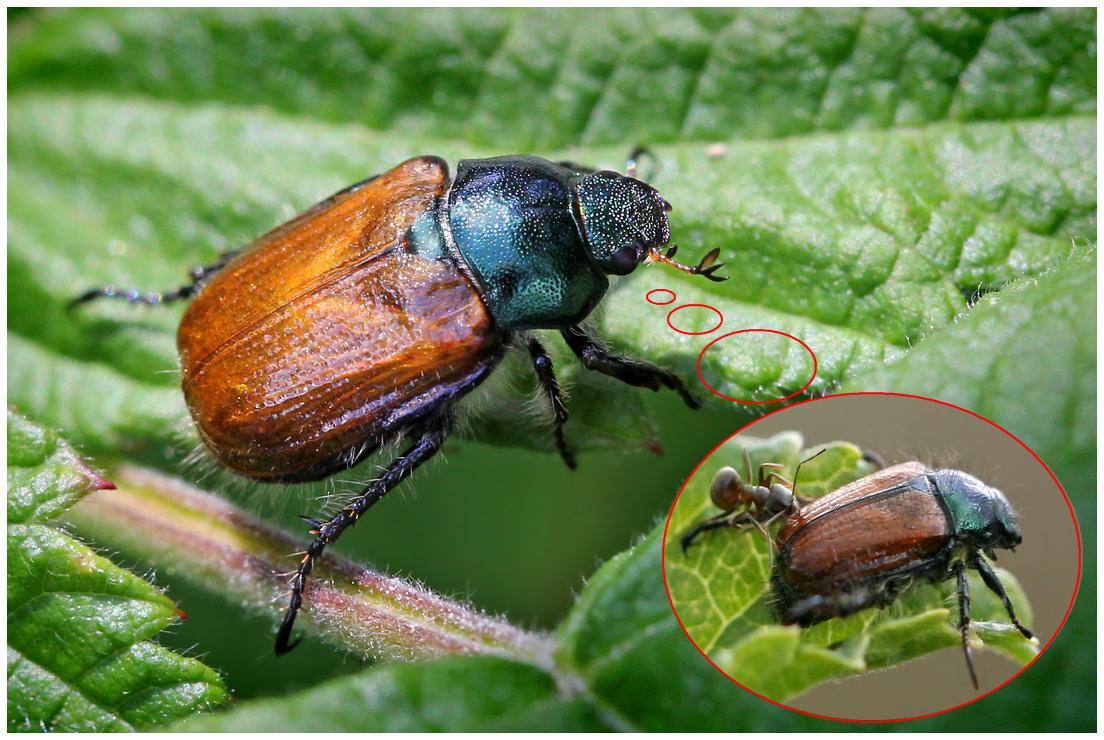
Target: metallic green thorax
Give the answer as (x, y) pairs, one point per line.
(982, 515)
(540, 238)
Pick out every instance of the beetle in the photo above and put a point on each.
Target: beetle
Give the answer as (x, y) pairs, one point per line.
(859, 546)
(367, 317)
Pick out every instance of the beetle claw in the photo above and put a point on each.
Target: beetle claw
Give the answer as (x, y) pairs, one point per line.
(315, 526)
(709, 274)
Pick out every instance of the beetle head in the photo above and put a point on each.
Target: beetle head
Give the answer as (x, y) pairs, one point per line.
(624, 220)
(982, 515)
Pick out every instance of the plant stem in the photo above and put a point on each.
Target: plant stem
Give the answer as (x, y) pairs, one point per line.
(183, 529)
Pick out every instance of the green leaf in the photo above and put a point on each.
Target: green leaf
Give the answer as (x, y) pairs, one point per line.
(79, 651)
(458, 694)
(45, 476)
(991, 362)
(858, 243)
(720, 588)
(869, 270)
(518, 80)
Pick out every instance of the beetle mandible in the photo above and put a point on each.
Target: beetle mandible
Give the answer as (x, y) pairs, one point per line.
(365, 318)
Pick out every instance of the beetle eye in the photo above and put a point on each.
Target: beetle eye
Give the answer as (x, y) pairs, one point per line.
(623, 261)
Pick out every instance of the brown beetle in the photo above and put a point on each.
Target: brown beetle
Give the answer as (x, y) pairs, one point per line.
(367, 317)
(861, 545)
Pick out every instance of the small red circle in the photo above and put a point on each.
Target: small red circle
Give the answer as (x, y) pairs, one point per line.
(720, 319)
(769, 331)
(657, 302)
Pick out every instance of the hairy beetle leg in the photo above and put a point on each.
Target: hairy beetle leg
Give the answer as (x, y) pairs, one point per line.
(978, 563)
(433, 436)
(964, 618)
(542, 364)
(633, 372)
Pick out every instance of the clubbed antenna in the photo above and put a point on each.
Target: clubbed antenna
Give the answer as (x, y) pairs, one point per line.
(705, 268)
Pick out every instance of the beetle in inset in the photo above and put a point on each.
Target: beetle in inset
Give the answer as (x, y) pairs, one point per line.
(367, 317)
(861, 545)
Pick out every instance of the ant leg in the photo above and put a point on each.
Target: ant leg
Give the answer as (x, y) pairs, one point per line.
(433, 435)
(770, 543)
(716, 522)
(198, 275)
(634, 372)
(771, 478)
(874, 459)
(542, 364)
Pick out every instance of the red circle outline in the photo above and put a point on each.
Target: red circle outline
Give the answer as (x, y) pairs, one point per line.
(695, 333)
(771, 331)
(1069, 505)
(648, 297)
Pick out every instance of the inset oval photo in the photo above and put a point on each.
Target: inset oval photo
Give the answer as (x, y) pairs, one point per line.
(871, 557)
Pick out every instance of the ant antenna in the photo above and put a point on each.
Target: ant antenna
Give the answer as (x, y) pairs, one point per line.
(798, 470)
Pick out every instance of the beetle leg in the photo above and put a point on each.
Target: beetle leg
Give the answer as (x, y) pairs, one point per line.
(433, 435)
(581, 169)
(978, 563)
(634, 157)
(964, 617)
(542, 364)
(197, 275)
(634, 372)
(630, 164)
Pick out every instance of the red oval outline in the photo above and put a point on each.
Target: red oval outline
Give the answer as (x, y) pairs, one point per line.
(771, 331)
(648, 297)
(1069, 505)
(695, 305)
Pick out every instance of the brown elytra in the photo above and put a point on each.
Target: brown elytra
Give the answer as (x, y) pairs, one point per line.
(326, 337)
